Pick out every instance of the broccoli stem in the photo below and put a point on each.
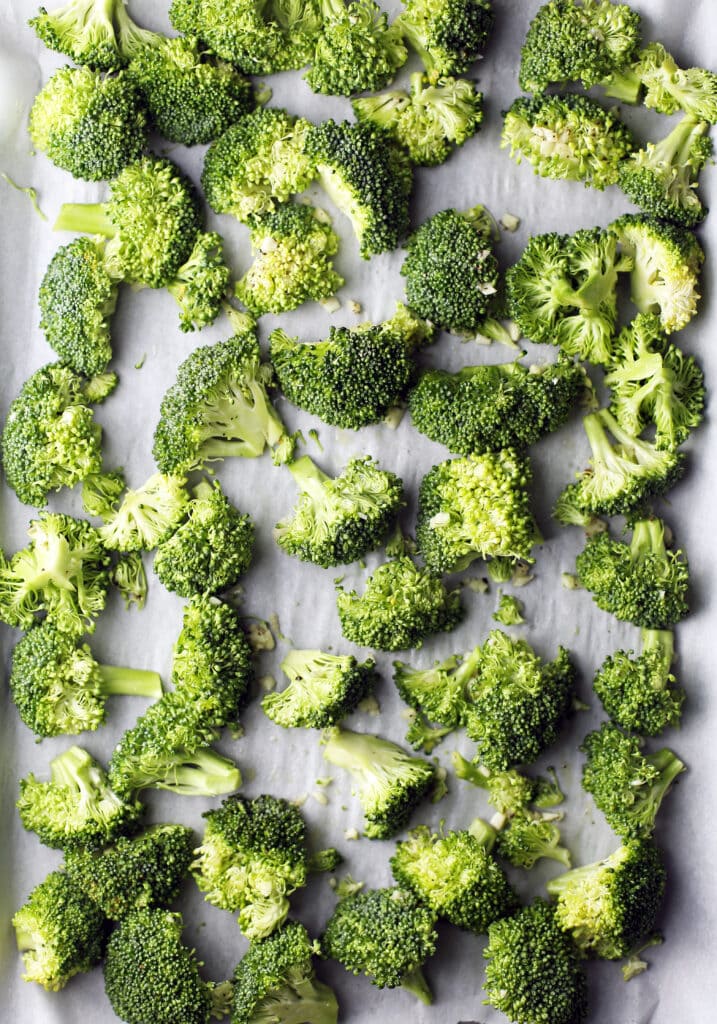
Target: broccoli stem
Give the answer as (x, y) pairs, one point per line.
(470, 771)
(483, 832)
(415, 982)
(660, 642)
(648, 538)
(200, 773)
(25, 940)
(74, 768)
(622, 85)
(316, 1003)
(203, 490)
(130, 682)
(570, 879)
(603, 452)
(669, 766)
(675, 148)
(86, 218)
(309, 478)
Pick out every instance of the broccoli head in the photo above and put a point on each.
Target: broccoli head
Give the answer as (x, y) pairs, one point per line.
(147, 515)
(356, 49)
(528, 837)
(323, 688)
(439, 692)
(670, 88)
(99, 33)
(508, 791)
(448, 35)
(201, 284)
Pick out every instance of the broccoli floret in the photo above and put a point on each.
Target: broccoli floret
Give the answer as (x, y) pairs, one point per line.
(257, 163)
(386, 934)
(101, 493)
(508, 791)
(367, 177)
(252, 857)
(533, 973)
(666, 262)
(99, 33)
(191, 98)
(509, 611)
(323, 688)
(668, 88)
(77, 808)
(475, 507)
(59, 931)
(440, 692)
(89, 125)
(421, 735)
(640, 582)
(151, 220)
(275, 981)
(293, 261)
(527, 837)
(639, 693)
(59, 688)
(64, 572)
(627, 786)
(129, 577)
(211, 550)
(399, 608)
(455, 875)
(390, 783)
(147, 515)
(448, 35)
(201, 284)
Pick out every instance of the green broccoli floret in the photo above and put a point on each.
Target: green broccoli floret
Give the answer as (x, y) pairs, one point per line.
(668, 88)
(666, 262)
(627, 786)
(101, 493)
(455, 875)
(386, 934)
(509, 611)
(389, 782)
(129, 577)
(357, 374)
(151, 220)
(475, 507)
(439, 692)
(59, 688)
(527, 837)
(201, 284)
(533, 974)
(147, 515)
(640, 582)
(508, 791)
(77, 808)
(59, 931)
(210, 550)
(422, 736)
(293, 261)
(99, 33)
(64, 572)
(399, 608)
(323, 688)
(89, 125)
(367, 177)
(448, 35)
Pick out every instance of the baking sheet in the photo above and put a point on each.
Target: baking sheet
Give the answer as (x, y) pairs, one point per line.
(680, 984)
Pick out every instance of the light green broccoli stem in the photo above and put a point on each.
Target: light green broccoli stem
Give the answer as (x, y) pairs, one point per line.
(470, 771)
(203, 773)
(675, 148)
(624, 85)
(415, 983)
(203, 490)
(129, 682)
(309, 478)
(669, 766)
(75, 768)
(86, 218)
(596, 425)
(648, 537)
(571, 879)
(660, 643)
(484, 833)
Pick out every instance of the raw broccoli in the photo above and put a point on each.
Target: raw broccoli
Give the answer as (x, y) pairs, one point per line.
(422, 736)
(210, 550)
(59, 931)
(439, 692)
(129, 577)
(509, 611)
(201, 284)
(568, 137)
(668, 88)
(386, 934)
(293, 261)
(448, 35)
(59, 688)
(508, 791)
(399, 608)
(323, 688)
(475, 507)
(147, 515)
(257, 163)
(367, 177)
(218, 407)
(533, 974)
(641, 582)
(77, 808)
(64, 572)
(455, 875)
(356, 375)
(627, 786)
(101, 493)
(389, 782)
(151, 977)
(99, 33)
(89, 125)
(430, 121)
(151, 220)
(639, 693)
(666, 262)
(527, 837)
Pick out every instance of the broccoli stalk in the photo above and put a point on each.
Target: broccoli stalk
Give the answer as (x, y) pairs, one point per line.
(668, 88)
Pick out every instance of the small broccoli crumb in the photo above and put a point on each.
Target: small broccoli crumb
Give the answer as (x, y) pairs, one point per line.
(260, 636)
(510, 222)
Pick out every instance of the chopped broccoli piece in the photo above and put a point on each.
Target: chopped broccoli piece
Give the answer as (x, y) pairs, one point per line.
(356, 49)
(668, 88)
(146, 516)
(99, 33)
(201, 284)
(424, 737)
(508, 791)
(527, 837)
(129, 577)
(448, 35)
(639, 694)
(323, 688)
(509, 611)
(440, 692)
(101, 493)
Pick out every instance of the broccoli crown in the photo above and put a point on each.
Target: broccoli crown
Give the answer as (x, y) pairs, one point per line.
(456, 876)
(527, 837)
(666, 261)
(642, 582)
(201, 283)
(448, 35)
(191, 99)
(323, 688)
(475, 507)
(386, 934)
(609, 907)
(390, 783)
(210, 550)
(99, 34)
(439, 692)
(147, 515)
(257, 163)
(89, 125)
(627, 786)
(399, 608)
(218, 407)
(252, 857)
(275, 980)
(450, 270)
(567, 42)
(77, 808)
(486, 408)
(669, 88)
(533, 973)
(367, 177)
(60, 932)
(508, 791)
(294, 249)
(64, 572)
